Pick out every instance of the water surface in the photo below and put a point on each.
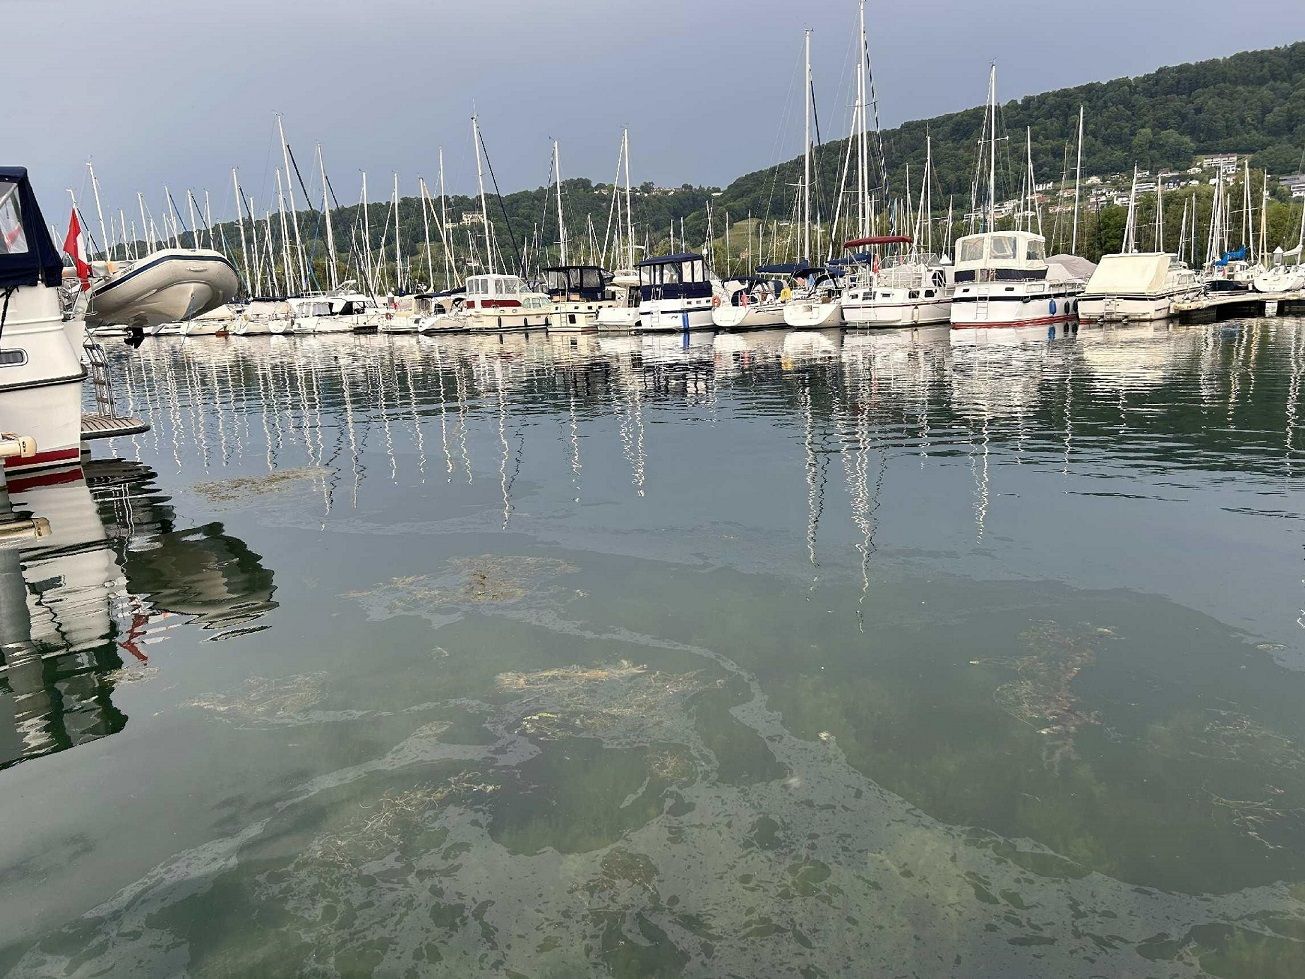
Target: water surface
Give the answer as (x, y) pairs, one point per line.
(802, 654)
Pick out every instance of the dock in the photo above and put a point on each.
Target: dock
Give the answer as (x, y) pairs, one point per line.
(1225, 305)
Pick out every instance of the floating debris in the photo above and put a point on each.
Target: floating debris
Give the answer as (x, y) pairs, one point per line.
(1042, 696)
(267, 700)
(485, 580)
(239, 488)
(131, 674)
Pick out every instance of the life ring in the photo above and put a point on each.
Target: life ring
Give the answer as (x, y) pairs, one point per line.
(715, 301)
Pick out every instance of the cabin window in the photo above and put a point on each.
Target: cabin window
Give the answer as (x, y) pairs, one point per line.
(971, 251)
(591, 279)
(13, 240)
(670, 274)
(913, 294)
(1003, 247)
(928, 294)
(13, 358)
(1037, 250)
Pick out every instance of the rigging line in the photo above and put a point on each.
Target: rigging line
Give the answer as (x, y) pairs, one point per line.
(177, 211)
(502, 206)
(308, 199)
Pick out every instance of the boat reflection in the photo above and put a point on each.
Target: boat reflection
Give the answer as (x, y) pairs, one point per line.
(80, 606)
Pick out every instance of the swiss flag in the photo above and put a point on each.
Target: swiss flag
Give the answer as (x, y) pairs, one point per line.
(75, 247)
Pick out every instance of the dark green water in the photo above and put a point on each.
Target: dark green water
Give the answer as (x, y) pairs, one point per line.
(812, 655)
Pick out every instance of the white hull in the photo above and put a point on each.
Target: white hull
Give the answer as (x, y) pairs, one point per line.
(807, 314)
(888, 314)
(754, 316)
(165, 287)
(675, 317)
(1127, 309)
(1029, 304)
(617, 319)
(41, 378)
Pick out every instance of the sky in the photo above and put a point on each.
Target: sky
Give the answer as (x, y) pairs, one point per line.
(177, 92)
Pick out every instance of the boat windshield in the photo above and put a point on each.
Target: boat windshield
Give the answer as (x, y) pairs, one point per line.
(13, 241)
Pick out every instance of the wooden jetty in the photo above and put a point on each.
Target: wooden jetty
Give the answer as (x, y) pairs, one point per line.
(1226, 305)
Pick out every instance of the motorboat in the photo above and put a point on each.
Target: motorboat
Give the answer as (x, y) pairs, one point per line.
(910, 289)
(1004, 279)
(1136, 287)
(41, 371)
(621, 313)
(494, 303)
(168, 285)
(578, 294)
(675, 294)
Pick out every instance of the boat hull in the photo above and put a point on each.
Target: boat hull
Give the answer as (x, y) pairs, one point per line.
(1037, 304)
(665, 317)
(1127, 309)
(889, 315)
(166, 287)
(754, 316)
(804, 314)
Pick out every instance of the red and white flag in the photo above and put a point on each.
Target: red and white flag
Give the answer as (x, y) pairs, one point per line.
(75, 247)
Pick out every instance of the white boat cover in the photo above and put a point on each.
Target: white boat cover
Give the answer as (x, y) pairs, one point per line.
(1127, 275)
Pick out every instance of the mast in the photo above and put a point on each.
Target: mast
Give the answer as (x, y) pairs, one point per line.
(332, 264)
(208, 220)
(484, 206)
(144, 227)
(95, 188)
(367, 234)
(240, 219)
(629, 220)
(425, 228)
(444, 228)
(294, 216)
(1130, 226)
(398, 252)
(806, 156)
(862, 151)
(285, 236)
(928, 193)
(992, 152)
(1078, 173)
(194, 225)
(1159, 213)
(557, 179)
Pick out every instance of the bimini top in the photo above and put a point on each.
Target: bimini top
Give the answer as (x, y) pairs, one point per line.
(581, 282)
(877, 240)
(671, 259)
(27, 254)
(781, 268)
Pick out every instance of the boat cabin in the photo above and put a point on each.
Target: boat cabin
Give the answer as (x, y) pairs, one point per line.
(682, 276)
(494, 291)
(996, 255)
(27, 253)
(576, 283)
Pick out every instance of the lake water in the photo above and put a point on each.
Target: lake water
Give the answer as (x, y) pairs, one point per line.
(807, 654)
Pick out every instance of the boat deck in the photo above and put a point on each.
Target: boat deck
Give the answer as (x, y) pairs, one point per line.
(110, 426)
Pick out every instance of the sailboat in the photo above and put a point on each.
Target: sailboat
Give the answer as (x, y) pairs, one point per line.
(622, 313)
(1003, 278)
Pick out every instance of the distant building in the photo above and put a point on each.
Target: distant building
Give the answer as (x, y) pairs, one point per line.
(472, 217)
(1295, 184)
(1224, 163)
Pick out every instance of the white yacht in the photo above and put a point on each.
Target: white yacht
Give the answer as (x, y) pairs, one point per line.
(41, 371)
(621, 314)
(578, 293)
(494, 303)
(1136, 287)
(911, 289)
(818, 306)
(675, 294)
(755, 301)
(1003, 278)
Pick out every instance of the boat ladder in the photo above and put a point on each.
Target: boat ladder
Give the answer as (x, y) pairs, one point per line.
(105, 422)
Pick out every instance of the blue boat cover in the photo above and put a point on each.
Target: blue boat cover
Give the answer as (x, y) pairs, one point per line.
(40, 261)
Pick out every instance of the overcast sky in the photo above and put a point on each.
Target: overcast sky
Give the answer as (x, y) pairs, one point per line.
(177, 92)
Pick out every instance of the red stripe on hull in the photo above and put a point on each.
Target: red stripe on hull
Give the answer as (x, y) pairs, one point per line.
(54, 478)
(1042, 321)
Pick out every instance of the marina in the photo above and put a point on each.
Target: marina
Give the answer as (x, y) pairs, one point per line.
(859, 533)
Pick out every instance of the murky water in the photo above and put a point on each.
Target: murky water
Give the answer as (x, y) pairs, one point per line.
(806, 654)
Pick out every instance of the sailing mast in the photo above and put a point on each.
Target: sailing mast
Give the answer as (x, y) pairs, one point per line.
(285, 237)
(332, 264)
(398, 253)
(557, 179)
(1159, 213)
(992, 152)
(629, 220)
(1078, 173)
(444, 228)
(367, 235)
(240, 220)
(862, 151)
(294, 216)
(95, 188)
(806, 157)
(484, 206)
(425, 228)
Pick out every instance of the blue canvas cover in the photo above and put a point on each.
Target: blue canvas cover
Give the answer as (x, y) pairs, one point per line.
(28, 256)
